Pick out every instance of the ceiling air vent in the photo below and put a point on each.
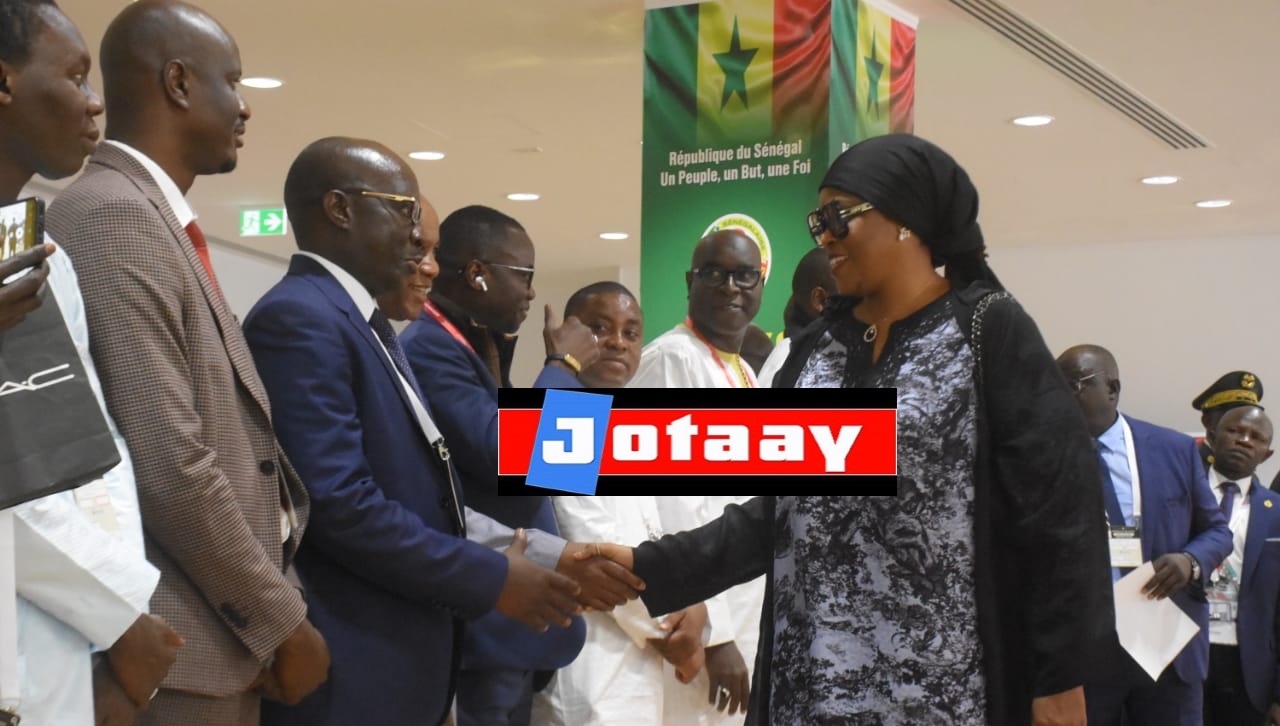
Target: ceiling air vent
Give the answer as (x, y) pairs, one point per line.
(1071, 64)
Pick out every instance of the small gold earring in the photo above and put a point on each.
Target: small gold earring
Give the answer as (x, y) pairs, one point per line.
(903, 233)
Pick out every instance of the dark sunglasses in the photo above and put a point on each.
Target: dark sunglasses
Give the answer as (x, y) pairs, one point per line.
(833, 218)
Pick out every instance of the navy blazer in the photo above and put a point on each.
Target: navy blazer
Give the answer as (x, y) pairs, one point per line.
(464, 395)
(1258, 619)
(388, 575)
(1180, 514)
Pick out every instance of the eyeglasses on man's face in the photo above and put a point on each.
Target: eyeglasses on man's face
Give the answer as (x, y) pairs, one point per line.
(1079, 384)
(833, 218)
(744, 278)
(528, 271)
(408, 206)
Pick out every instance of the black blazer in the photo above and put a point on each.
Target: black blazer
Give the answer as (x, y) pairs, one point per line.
(1042, 571)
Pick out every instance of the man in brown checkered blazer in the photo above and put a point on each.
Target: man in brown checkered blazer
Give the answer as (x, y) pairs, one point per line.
(222, 507)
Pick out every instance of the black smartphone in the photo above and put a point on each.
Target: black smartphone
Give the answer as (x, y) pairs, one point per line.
(21, 226)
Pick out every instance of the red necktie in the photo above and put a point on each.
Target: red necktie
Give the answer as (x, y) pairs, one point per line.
(202, 249)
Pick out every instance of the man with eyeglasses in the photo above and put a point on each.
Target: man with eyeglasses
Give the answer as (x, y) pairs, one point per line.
(461, 350)
(724, 296)
(1159, 509)
(394, 562)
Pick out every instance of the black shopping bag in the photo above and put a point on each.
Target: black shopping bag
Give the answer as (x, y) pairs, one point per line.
(53, 435)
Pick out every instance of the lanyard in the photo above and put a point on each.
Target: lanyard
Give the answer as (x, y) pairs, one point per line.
(733, 382)
(1132, 454)
(431, 309)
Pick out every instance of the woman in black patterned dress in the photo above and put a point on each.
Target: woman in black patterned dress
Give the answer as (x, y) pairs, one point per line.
(976, 595)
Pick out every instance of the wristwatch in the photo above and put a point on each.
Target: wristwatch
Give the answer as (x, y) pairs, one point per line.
(1195, 566)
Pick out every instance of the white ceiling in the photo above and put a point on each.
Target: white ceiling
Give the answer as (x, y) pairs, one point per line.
(545, 96)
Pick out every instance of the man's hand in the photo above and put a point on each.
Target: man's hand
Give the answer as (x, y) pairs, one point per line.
(688, 670)
(142, 656)
(1273, 715)
(21, 296)
(570, 338)
(621, 554)
(730, 685)
(1060, 709)
(684, 638)
(111, 705)
(535, 595)
(605, 584)
(301, 664)
(1173, 570)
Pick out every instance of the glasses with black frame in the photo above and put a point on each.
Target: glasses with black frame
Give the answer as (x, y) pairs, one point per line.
(744, 278)
(408, 206)
(833, 218)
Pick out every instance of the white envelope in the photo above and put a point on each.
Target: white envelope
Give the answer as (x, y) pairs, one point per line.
(1153, 632)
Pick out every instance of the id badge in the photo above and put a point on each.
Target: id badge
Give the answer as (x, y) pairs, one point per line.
(95, 502)
(1126, 547)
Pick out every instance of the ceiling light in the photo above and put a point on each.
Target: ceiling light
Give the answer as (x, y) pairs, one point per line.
(522, 197)
(261, 82)
(1160, 180)
(614, 235)
(1033, 121)
(1214, 203)
(426, 155)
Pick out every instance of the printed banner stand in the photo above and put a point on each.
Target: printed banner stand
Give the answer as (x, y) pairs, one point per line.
(746, 102)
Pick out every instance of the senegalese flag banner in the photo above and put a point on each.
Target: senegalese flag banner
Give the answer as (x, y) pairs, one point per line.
(745, 104)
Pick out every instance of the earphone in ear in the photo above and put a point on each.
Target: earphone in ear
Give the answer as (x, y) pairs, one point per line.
(484, 286)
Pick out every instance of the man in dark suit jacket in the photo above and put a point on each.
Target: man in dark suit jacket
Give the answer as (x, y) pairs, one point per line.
(223, 509)
(461, 352)
(389, 573)
(1243, 688)
(1182, 531)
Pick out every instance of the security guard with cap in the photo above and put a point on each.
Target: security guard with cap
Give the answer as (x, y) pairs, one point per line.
(1235, 389)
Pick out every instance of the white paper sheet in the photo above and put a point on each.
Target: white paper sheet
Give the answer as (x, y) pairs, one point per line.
(1153, 632)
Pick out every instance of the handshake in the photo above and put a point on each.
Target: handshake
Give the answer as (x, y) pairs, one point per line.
(588, 576)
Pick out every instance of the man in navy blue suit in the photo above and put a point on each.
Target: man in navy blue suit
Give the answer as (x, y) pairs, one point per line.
(1243, 688)
(461, 350)
(1155, 490)
(389, 573)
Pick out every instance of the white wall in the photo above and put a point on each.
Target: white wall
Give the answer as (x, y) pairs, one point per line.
(244, 275)
(1177, 314)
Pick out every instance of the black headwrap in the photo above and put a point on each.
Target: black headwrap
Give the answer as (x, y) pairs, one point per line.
(917, 184)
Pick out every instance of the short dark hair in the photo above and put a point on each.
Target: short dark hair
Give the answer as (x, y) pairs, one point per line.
(604, 287)
(19, 21)
(473, 233)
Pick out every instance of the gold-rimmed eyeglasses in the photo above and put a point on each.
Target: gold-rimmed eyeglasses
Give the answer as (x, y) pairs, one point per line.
(409, 206)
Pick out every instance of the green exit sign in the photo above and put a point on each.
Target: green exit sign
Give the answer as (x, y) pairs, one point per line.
(263, 223)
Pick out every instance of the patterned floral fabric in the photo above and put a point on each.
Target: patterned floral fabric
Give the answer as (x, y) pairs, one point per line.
(875, 602)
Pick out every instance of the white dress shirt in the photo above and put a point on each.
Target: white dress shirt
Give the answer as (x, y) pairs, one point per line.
(80, 586)
(1224, 581)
